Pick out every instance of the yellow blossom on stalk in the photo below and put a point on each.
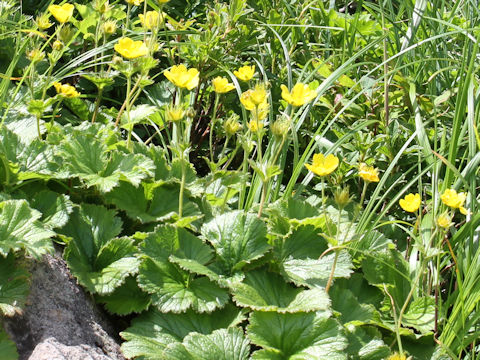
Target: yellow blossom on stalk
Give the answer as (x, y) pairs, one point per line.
(255, 125)
(109, 27)
(444, 220)
(151, 20)
(35, 55)
(368, 173)
(221, 85)
(131, 49)
(134, 2)
(62, 13)
(454, 200)
(43, 22)
(182, 77)
(254, 97)
(323, 165)
(245, 73)
(300, 94)
(66, 90)
(174, 113)
(57, 45)
(231, 126)
(397, 356)
(410, 203)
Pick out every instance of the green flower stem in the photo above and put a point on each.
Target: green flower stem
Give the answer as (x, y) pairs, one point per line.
(127, 108)
(7, 170)
(128, 96)
(241, 197)
(38, 127)
(55, 110)
(129, 8)
(262, 200)
(405, 304)
(395, 319)
(337, 252)
(97, 104)
(324, 210)
(330, 278)
(182, 188)
(212, 124)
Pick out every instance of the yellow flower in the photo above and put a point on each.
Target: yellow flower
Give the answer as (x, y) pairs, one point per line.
(368, 173)
(174, 113)
(255, 125)
(245, 73)
(109, 27)
(66, 90)
(134, 2)
(35, 55)
(454, 200)
(323, 165)
(181, 77)
(221, 85)
(43, 22)
(397, 356)
(252, 98)
(410, 203)
(300, 95)
(231, 126)
(131, 49)
(151, 20)
(444, 221)
(62, 13)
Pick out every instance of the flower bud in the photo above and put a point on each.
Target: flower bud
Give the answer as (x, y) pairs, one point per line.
(280, 128)
(35, 55)
(102, 6)
(57, 45)
(109, 27)
(342, 197)
(43, 22)
(231, 125)
(174, 114)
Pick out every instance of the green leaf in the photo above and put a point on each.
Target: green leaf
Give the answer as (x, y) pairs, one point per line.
(87, 158)
(295, 208)
(302, 242)
(8, 349)
(351, 311)
(174, 290)
(136, 115)
(20, 229)
(153, 331)
(126, 299)
(14, 286)
(296, 336)
(238, 238)
(168, 239)
(314, 273)
(150, 203)
(100, 261)
(420, 315)
(364, 343)
(55, 208)
(388, 268)
(266, 291)
(221, 344)
(26, 161)
(211, 271)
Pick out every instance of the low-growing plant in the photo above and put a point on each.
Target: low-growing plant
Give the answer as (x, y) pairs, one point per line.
(248, 179)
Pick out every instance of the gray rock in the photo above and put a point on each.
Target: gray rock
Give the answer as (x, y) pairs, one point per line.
(60, 321)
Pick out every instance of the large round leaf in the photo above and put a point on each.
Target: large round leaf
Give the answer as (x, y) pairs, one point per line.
(237, 237)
